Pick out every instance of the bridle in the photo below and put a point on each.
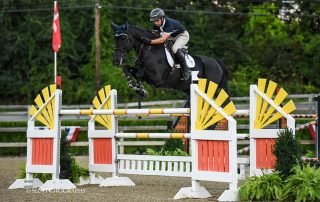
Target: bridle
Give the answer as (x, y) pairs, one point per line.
(124, 53)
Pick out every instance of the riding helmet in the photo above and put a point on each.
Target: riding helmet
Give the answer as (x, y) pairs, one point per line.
(156, 14)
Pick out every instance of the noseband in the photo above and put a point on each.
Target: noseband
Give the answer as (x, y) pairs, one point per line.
(123, 53)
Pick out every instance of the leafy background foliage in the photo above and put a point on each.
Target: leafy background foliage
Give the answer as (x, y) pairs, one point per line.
(303, 185)
(267, 187)
(253, 43)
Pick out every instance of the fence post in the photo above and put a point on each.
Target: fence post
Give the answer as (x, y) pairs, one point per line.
(310, 101)
(121, 146)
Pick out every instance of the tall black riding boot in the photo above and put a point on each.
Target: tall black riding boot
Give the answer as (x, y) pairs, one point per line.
(185, 71)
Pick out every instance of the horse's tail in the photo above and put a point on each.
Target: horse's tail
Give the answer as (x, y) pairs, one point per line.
(224, 80)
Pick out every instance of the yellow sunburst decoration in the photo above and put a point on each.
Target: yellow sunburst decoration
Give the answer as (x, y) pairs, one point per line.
(103, 101)
(206, 114)
(264, 111)
(47, 106)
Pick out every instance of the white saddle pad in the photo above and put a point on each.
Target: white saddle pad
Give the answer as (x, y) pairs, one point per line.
(189, 59)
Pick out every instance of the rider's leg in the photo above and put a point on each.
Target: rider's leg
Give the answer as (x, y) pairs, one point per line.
(180, 41)
(183, 65)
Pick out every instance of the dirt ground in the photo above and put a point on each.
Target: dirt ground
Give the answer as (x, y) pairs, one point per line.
(148, 188)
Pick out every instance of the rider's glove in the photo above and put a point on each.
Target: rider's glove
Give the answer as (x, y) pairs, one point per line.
(146, 40)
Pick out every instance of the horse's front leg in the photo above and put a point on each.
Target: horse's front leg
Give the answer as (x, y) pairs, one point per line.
(134, 78)
(130, 78)
(139, 77)
(140, 90)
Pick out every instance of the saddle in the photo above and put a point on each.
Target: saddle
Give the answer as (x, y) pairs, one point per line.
(170, 55)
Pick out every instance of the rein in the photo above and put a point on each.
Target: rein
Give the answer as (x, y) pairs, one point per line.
(139, 53)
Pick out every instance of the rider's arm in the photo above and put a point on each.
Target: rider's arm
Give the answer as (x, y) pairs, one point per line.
(160, 40)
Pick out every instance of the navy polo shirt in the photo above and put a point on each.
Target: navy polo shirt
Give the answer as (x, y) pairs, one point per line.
(171, 26)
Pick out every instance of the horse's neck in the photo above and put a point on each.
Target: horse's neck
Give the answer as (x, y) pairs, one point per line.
(137, 45)
(137, 33)
(140, 32)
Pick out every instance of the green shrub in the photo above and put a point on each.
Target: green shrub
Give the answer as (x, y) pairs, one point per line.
(287, 152)
(176, 152)
(303, 185)
(66, 157)
(68, 165)
(310, 154)
(264, 188)
(173, 144)
(78, 171)
(172, 147)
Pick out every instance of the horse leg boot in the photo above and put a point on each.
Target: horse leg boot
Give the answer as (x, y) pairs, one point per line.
(133, 82)
(129, 76)
(185, 71)
(141, 91)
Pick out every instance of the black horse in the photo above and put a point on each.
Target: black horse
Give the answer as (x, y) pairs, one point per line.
(151, 64)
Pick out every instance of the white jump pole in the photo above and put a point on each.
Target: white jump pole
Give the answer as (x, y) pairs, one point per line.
(154, 135)
(174, 111)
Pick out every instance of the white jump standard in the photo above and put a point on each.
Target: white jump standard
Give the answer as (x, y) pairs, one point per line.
(43, 146)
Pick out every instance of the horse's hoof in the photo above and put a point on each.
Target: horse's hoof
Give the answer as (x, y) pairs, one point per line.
(146, 94)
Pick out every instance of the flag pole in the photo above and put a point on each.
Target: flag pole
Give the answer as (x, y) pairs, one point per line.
(55, 53)
(55, 67)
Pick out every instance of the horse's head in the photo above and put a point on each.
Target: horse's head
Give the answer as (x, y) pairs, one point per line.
(123, 43)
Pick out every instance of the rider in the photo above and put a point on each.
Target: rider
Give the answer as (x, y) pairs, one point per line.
(168, 27)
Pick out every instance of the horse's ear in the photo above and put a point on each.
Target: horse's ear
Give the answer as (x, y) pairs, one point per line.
(114, 26)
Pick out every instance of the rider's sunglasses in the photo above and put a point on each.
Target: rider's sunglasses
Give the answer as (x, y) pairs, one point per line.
(157, 20)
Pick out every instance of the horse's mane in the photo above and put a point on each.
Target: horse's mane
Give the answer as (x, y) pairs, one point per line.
(140, 32)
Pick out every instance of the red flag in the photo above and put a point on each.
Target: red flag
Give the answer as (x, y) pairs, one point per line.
(56, 36)
(312, 131)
